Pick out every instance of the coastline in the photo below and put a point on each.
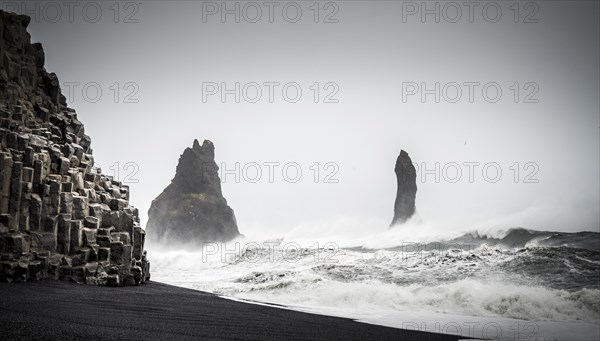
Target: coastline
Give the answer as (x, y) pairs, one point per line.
(155, 311)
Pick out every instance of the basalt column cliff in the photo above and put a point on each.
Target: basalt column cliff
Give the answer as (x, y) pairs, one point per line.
(192, 208)
(406, 175)
(59, 216)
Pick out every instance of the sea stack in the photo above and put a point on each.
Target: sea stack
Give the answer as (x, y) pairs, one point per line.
(406, 175)
(60, 217)
(192, 208)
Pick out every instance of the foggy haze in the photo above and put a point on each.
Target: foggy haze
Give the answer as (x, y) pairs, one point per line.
(546, 144)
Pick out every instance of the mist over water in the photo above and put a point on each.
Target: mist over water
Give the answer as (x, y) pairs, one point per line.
(408, 277)
(369, 53)
(327, 247)
(430, 273)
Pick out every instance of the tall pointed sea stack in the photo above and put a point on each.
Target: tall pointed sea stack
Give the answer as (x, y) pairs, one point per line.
(406, 175)
(192, 208)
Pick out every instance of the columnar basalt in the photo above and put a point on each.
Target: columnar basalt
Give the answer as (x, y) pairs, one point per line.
(59, 216)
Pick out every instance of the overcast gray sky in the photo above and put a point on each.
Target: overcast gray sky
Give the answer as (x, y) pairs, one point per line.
(372, 61)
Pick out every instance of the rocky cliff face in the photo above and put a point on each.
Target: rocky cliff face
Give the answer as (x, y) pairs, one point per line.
(59, 216)
(192, 208)
(406, 175)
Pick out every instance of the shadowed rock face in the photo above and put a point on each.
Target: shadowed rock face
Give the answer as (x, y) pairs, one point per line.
(60, 217)
(192, 208)
(406, 175)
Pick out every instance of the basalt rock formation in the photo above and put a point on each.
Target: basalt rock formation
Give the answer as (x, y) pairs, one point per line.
(192, 208)
(406, 175)
(59, 216)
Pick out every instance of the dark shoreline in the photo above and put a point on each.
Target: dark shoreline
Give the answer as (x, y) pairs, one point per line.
(53, 310)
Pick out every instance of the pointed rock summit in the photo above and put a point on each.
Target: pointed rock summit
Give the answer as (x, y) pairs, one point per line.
(192, 208)
(406, 175)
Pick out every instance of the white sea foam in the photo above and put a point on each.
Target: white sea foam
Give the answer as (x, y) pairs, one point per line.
(391, 287)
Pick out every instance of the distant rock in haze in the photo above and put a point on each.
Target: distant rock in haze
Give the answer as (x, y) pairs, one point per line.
(192, 208)
(406, 175)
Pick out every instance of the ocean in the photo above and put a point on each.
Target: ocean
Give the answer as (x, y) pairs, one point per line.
(517, 284)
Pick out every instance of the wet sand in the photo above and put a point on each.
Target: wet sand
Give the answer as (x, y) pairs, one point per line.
(53, 310)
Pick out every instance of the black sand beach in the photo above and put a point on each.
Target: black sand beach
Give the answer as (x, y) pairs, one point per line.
(52, 310)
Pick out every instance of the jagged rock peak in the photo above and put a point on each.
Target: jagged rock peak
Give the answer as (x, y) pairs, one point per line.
(192, 208)
(406, 176)
(197, 171)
